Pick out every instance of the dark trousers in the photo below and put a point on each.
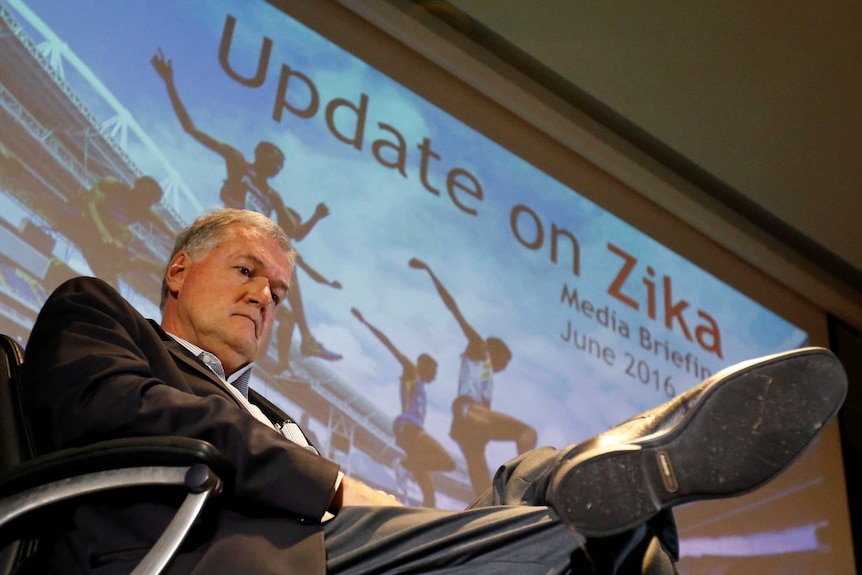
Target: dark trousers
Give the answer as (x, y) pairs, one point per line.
(507, 530)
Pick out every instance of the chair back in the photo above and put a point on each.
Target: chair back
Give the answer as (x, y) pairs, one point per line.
(15, 441)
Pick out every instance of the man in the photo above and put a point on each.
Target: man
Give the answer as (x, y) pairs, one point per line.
(247, 187)
(474, 424)
(424, 454)
(95, 369)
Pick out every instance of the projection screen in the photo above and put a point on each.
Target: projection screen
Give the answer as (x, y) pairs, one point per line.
(419, 230)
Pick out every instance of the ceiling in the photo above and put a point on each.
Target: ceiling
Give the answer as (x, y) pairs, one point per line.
(764, 98)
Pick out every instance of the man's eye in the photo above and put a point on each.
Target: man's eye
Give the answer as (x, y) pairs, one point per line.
(276, 298)
(243, 270)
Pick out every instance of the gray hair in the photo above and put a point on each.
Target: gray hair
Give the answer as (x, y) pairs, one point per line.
(207, 232)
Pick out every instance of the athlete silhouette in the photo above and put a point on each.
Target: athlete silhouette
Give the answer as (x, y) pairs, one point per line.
(474, 424)
(423, 453)
(247, 187)
(98, 223)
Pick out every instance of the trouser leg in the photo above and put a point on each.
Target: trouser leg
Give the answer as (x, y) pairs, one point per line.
(520, 481)
(482, 541)
(488, 541)
(634, 552)
(506, 530)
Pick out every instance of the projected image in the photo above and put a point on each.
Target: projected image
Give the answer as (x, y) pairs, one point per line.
(452, 306)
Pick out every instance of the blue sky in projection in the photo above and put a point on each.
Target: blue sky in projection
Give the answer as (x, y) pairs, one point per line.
(381, 218)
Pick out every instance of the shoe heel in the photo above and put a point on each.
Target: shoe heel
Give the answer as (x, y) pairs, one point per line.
(607, 493)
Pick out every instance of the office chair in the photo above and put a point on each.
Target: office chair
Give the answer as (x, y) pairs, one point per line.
(31, 483)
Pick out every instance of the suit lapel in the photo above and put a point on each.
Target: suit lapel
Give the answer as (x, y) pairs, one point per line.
(184, 356)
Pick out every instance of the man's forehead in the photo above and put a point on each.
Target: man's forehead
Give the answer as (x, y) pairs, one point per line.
(274, 262)
(252, 240)
(240, 243)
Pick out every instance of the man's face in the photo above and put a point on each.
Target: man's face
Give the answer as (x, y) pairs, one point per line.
(225, 301)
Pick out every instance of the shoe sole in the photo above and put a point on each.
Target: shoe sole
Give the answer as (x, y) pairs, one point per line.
(741, 432)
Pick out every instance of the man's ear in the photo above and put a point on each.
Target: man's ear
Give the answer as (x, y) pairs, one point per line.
(177, 271)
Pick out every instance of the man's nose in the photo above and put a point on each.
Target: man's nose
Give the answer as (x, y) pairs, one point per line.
(259, 292)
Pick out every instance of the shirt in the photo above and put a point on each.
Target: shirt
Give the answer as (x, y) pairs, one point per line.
(239, 389)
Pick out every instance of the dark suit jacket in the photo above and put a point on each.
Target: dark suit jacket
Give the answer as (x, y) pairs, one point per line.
(96, 369)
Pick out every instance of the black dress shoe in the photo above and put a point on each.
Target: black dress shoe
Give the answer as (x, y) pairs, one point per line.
(729, 435)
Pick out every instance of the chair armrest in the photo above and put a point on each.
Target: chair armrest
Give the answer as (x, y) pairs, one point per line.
(168, 451)
(68, 474)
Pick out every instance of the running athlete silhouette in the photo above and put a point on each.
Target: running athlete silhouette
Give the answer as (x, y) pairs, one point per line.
(247, 187)
(474, 424)
(423, 453)
(98, 223)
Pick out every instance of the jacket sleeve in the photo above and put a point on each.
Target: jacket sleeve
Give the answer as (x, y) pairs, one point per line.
(96, 369)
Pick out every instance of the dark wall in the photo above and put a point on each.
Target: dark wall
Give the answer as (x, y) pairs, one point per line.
(846, 342)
